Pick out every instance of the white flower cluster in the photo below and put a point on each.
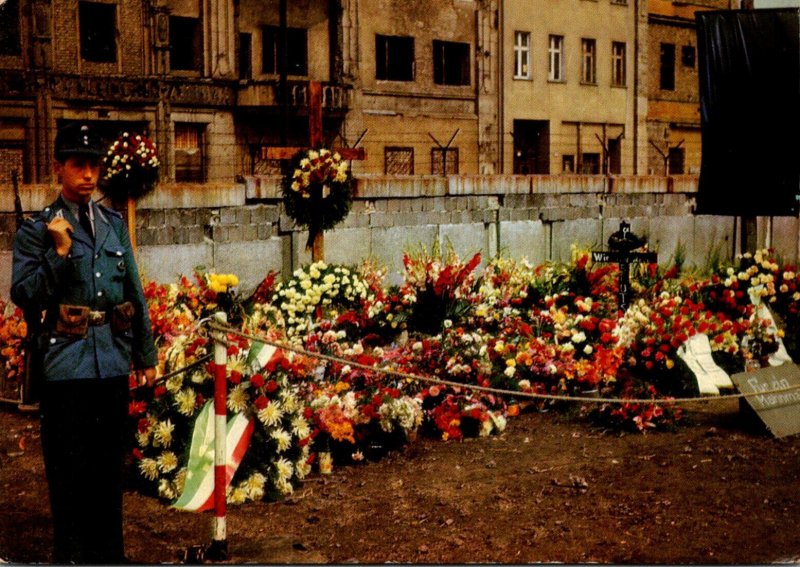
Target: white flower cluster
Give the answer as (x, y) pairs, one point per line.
(404, 412)
(321, 166)
(317, 285)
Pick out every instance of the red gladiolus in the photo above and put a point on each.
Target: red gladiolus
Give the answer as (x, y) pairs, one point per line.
(261, 402)
(271, 386)
(257, 380)
(235, 377)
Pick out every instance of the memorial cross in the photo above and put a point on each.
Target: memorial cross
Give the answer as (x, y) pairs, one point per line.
(315, 138)
(621, 244)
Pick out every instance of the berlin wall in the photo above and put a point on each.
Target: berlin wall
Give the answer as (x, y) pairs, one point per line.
(242, 228)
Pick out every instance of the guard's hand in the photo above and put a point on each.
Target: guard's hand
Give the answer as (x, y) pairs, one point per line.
(146, 377)
(60, 231)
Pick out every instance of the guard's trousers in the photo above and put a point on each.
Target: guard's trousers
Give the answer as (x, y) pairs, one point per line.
(83, 442)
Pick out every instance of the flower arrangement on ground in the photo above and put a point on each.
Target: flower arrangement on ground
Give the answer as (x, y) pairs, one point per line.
(131, 167)
(318, 192)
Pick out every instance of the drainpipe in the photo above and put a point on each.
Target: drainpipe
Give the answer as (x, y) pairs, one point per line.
(501, 71)
(636, 87)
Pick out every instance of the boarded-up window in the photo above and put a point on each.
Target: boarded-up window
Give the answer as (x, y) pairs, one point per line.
(677, 161)
(98, 31)
(189, 152)
(399, 161)
(667, 68)
(444, 161)
(590, 163)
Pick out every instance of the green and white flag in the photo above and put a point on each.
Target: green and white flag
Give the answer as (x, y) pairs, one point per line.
(198, 491)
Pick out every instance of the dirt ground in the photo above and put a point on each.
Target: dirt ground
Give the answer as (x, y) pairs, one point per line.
(549, 489)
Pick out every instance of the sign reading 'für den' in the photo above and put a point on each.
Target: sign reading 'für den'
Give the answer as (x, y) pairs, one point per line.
(779, 410)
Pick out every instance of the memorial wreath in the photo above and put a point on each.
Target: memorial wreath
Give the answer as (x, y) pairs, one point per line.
(131, 167)
(318, 191)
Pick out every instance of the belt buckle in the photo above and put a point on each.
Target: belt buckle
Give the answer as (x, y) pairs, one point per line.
(97, 317)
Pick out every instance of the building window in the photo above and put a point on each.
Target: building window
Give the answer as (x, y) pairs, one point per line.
(590, 163)
(667, 72)
(677, 161)
(588, 61)
(568, 163)
(98, 31)
(444, 161)
(399, 161)
(185, 44)
(522, 55)
(9, 28)
(189, 152)
(272, 52)
(618, 64)
(245, 56)
(394, 58)
(555, 50)
(688, 56)
(450, 63)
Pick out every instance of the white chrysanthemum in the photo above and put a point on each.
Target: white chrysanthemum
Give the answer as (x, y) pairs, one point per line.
(143, 439)
(162, 433)
(271, 414)
(149, 468)
(167, 461)
(282, 438)
(284, 486)
(166, 489)
(174, 383)
(185, 401)
(238, 398)
(180, 480)
(300, 427)
(289, 401)
(237, 496)
(303, 468)
(284, 468)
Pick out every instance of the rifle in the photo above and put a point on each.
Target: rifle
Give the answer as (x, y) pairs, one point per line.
(20, 217)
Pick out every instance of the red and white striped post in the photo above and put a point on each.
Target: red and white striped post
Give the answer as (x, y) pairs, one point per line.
(218, 550)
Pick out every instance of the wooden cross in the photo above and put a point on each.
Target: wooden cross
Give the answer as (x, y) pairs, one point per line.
(315, 140)
(622, 244)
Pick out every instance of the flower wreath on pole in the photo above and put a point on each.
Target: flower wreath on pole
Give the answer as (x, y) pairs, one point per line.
(131, 168)
(318, 191)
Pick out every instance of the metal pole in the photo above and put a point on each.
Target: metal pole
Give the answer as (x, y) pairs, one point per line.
(218, 550)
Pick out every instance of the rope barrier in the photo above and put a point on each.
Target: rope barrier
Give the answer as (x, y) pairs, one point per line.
(498, 391)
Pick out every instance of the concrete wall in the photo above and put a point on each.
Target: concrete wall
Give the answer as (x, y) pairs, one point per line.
(181, 227)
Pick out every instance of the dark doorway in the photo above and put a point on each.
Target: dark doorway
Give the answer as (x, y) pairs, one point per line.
(531, 146)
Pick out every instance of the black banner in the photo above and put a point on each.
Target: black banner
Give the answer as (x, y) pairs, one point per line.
(749, 66)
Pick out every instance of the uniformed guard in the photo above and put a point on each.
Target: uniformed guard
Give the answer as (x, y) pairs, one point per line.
(73, 263)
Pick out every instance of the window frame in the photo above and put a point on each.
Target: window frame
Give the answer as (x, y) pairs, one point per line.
(200, 176)
(447, 54)
(666, 81)
(91, 35)
(393, 46)
(297, 43)
(11, 38)
(389, 149)
(555, 58)
(522, 55)
(588, 61)
(619, 64)
(188, 50)
(436, 161)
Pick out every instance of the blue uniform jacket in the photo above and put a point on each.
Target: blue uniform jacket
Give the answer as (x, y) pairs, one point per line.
(98, 275)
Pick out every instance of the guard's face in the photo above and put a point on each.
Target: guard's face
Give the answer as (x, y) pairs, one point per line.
(79, 175)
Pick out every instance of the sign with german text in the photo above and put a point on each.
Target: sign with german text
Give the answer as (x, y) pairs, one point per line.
(779, 410)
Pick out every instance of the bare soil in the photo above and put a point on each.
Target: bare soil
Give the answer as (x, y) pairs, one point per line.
(550, 489)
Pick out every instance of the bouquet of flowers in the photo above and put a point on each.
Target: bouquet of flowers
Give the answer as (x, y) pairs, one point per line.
(131, 167)
(318, 191)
